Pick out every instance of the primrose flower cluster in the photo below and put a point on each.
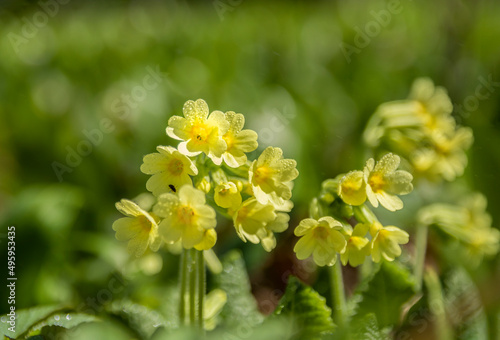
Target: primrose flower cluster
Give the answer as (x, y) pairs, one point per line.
(468, 222)
(422, 130)
(342, 223)
(209, 171)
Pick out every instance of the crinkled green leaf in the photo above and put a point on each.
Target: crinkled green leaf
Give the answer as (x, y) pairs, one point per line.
(311, 317)
(31, 321)
(26, 318)
(366, 327)
(241, 307)
(463, 306)
(386, 293)
(65, 320)
(141, 319)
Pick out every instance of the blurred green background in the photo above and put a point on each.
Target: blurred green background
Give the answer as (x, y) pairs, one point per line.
(87, 89)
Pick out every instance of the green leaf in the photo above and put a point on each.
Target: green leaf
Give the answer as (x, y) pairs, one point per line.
(29, 321)
(386, 293)
(25, 319)
(241, 307)
(307, 309)
(141, 319)
(463, 306)
(366, 327)
(65, 320)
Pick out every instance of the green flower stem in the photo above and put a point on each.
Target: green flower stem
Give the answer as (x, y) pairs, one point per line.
(339, 308)
(192, 286)
(183, 286)
(436, 304)
(363, 214)
(201, 286)
(420, 250)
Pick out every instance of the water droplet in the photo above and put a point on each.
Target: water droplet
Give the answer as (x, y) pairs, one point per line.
(4, 319)
(68, 317)
(56, 317)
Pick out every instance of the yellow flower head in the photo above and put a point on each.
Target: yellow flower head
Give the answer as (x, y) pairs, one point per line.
(322, 238)
(434, 99)
(358, 246)
(384, 182)
(170, 170)
(185, 217)
(238, 140)
(258, 222)
(227, 195)
(386, 241)
(352, 188)
(271, 176)
(199, 131)
(448, 153)
(138, 227)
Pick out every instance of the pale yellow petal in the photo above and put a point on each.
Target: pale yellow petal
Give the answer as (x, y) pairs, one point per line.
(170, 232)
(178, 128)
(195, 109)
(128, 208)
(304, 246)
(304, 226)
(208, 241)
(388, 201)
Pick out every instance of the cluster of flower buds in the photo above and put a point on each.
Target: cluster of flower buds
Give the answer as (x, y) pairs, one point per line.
(342, 223)
(209, 172)
(422, 130)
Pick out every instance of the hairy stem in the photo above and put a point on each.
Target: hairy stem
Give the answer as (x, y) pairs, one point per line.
(192, 287)
(339, 308)
(183, 286)
(201, 286)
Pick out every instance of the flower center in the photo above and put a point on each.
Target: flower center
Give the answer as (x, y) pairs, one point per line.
(377, 182)
(200, 132)
(145, 224)
(175, 167)
(321, 233)
(185, 214)
(261, 175)
(229, 139)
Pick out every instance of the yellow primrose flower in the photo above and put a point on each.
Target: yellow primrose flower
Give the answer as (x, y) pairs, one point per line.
(352, 188)
(238, 140)
(270, 177)
(258, 222)
(139, 228)
(386, 241)
(384, 182)
(357, 247)
(170, 170)
(322, 238)
(186, 217)
(227, 195)
(199, 131)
